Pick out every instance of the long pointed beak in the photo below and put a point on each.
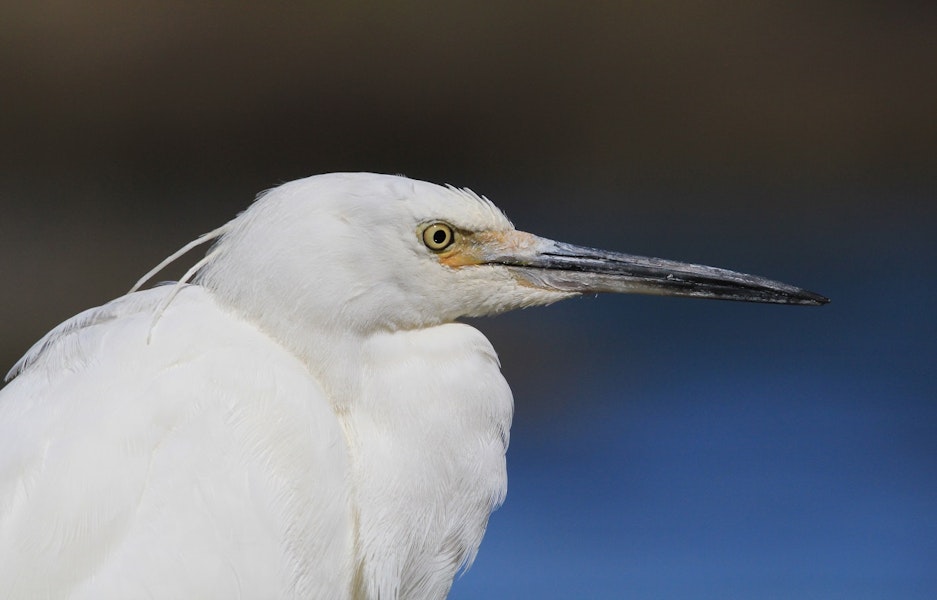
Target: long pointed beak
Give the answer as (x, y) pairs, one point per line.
(546, 264)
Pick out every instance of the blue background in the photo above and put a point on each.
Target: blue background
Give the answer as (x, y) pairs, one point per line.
(662, 447)
(693, 449)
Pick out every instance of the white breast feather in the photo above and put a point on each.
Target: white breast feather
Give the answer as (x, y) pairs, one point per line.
(432, 427)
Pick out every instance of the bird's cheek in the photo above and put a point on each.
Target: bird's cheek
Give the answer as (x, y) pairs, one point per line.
(458, 258)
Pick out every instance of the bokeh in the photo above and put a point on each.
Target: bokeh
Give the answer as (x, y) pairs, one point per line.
(662, 448)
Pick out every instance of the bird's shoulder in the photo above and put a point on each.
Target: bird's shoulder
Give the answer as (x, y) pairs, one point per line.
(151, 329)
(50, 343)
(139, 351)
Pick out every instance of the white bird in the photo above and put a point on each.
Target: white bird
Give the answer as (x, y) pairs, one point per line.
(301, 416)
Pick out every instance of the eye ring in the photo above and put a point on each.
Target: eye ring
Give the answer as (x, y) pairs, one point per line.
(438, 236)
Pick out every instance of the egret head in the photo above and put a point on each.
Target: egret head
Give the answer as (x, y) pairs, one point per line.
(363, 252)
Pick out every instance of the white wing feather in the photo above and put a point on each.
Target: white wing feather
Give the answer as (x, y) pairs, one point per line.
(210, 440)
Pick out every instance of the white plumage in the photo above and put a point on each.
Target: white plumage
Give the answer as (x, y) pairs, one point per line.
(303, 419)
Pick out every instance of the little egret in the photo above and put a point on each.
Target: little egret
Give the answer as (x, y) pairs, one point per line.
(301, 415)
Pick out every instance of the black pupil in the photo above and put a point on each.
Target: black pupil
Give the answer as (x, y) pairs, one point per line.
(439, 236)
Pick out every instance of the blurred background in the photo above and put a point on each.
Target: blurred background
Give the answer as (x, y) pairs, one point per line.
(662, 448)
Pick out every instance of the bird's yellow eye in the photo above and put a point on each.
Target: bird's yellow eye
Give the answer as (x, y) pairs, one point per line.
(438, 237)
